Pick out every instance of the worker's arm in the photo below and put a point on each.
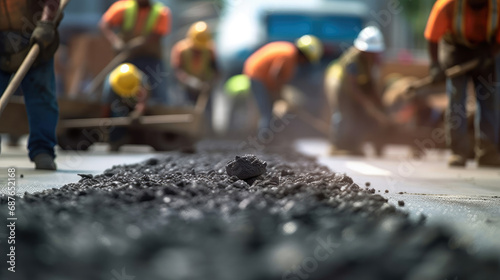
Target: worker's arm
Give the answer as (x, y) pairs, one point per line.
(50, 9)
(433, 51)
(140, 107)
(45, 30)
(436, 72)
(367, 103)
(112, 37)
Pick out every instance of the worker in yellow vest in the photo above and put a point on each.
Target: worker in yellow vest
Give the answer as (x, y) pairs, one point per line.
(193, 60)
(125, 95)
(351, 88)
(459, 31)
(133, 19)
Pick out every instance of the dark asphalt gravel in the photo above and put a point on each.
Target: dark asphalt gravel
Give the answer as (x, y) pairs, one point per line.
(182, 217)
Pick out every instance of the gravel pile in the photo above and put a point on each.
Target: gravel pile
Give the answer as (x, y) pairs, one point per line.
(182, 217)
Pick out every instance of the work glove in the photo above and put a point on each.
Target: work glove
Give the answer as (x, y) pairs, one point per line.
(485, 60)
(194, 83)
(135, 117)
(119, 46)
(44, 34)
(437, 73)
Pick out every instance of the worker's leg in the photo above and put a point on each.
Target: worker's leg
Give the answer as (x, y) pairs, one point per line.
(157, 76)
(263, 100)
(486, 115)
(117, 134)
(39, 90)
(456, 116)
(346, 134)
(4, 82)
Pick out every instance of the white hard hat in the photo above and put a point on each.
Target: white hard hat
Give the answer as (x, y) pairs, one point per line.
(370, 39)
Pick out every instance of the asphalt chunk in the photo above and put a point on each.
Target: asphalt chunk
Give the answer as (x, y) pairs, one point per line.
(246, 167)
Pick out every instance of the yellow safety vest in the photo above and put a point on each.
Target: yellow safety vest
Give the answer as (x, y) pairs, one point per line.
(460, 24)
(130, 17)
(202, 69)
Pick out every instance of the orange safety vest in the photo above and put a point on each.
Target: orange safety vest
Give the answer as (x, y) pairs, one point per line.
(14, 13)
(459, 22)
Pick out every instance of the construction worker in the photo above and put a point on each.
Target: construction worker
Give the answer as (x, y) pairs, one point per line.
(193, 60)
(351, 89)
(152, 21)
(459, 31)
(23, 23)
(273, 65)
(125, 94)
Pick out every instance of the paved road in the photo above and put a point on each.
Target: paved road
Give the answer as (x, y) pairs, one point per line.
(468, 200)
(69, 165)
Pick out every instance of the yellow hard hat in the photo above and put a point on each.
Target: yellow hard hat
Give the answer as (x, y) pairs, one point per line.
(311, 47)
(199, 34)
(126, 80)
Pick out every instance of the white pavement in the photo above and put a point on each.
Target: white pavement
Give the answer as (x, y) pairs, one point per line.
(467, 200)
(70, 164)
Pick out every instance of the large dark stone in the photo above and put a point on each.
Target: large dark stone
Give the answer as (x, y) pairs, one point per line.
(246, 167)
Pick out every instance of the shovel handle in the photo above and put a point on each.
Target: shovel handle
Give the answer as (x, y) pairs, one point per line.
(117, 60)
(25, 66)
(451, 72)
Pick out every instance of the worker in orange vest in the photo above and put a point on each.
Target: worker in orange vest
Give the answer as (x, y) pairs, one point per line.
(22, 24)
(136, 18)
(193, 60)
(273, 65)
(459, 31)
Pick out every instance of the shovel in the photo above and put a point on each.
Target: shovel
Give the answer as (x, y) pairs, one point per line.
(25, 66)
(451, 72)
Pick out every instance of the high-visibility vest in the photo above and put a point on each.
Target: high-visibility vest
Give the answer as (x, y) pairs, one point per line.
(17, 15)
(130, 17)
(202, 69)
(460, 22)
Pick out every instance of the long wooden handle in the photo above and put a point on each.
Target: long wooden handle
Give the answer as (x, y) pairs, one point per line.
(126, 121)
(25, 66)
(451, 72)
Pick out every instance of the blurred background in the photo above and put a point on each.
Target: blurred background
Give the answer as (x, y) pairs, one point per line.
(239, 28)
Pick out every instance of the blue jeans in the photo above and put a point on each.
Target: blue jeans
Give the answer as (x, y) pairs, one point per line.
(156, 74)
(264, 102)
(39, 89)
(486, 119)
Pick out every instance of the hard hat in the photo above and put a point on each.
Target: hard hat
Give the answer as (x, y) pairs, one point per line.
(199, 34)
(238, 85)
(311, 47)
(370, 39)
(126, 80)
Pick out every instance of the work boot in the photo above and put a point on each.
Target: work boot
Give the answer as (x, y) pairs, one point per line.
(44, 162)
(487, 155)
(457, 160)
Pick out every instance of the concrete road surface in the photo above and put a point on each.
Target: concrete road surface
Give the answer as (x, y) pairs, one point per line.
(70, 164)
(467, 200)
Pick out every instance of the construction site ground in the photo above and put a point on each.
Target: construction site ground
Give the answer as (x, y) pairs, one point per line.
(466, 199)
